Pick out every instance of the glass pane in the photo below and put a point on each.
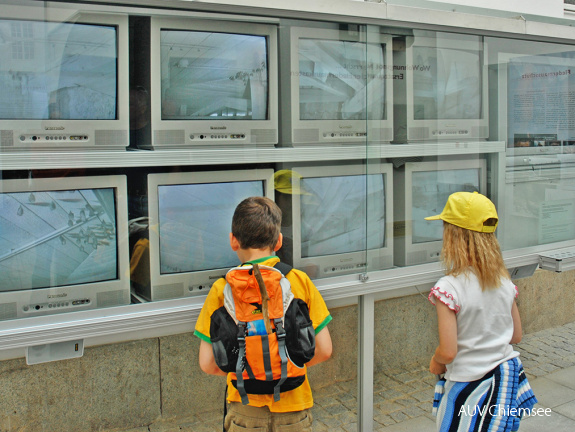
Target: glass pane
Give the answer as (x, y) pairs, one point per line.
(535, 88)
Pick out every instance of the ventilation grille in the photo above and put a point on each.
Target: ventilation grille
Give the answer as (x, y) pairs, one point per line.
(8, 311)
(306, 135)
(6, 138)
(264, 136)
(111, 138)
(170, 137)
(169, 291)
(111, 298)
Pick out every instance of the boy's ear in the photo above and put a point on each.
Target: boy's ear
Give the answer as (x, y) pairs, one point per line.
(279, 242)
(234, 243)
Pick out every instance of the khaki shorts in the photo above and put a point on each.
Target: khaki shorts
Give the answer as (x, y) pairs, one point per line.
(246, 418)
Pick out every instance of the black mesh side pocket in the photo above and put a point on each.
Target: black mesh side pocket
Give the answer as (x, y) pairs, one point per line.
(224, 338)
(300, 334)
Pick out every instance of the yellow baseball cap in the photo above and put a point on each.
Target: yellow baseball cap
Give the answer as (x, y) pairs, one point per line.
(285, 182)
(469, 210)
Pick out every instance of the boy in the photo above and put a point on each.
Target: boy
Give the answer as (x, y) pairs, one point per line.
(255, 237)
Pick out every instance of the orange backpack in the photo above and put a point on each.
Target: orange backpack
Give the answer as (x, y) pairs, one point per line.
(262, 335)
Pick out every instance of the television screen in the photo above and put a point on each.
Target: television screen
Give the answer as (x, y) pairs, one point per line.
(213, 76)
(58, 71)
(430, 190)
(57, 238)
(195, 222)
(341, 80)
(336, 218)
(447, 83)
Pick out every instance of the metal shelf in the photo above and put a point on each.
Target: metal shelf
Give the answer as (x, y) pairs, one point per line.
(229, 156)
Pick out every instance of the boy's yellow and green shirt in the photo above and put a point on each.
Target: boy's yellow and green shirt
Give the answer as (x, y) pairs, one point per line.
(303, 288)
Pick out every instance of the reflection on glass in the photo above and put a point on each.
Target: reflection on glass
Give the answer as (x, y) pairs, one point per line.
(335, 217)
(337, 82)
(195, 222)
(540, 207)
(430, 192)
(207, 75)
(57, 71)
(539, 102)
(51, 239)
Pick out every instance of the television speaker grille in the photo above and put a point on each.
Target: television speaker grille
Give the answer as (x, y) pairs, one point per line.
(306, 135)
(8, 311)
(6, 138)
(168, 291)
(111, 138)
(263, 136)
(175, 137)
(110, 298)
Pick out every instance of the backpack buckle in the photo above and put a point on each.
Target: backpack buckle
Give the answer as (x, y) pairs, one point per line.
(242, 329)
(280, 331)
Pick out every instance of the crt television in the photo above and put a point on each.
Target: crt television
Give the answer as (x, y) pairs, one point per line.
(422, 189)
(446, 87)
(63, 245)
(342, 219)
(337, 91)
(64, 79)
(190, 217)
(214, 83)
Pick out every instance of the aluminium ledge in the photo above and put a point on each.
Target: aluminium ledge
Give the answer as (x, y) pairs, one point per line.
(131, 322)
(125, 321)
(237, 156)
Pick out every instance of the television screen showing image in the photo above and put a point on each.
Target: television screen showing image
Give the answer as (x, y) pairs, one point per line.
(423, 189)
(57, 238)
(446, 87)
(195, 222)
(207, 75)
(63, 245)
(216, 83)
(58, 71)
(447, 84)
(341, 80)
(342, 220)
(338, 216)
(336, 85)
(190, 215)
(430, 192)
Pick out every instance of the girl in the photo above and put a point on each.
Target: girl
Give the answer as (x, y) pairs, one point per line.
(485, 387)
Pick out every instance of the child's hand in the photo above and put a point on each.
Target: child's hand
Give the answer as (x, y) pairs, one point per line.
(436, 368)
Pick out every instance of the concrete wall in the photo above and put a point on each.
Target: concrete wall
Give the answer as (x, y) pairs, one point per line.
(134, 384)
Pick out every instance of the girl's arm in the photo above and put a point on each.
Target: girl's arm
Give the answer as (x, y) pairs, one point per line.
(447, 349)
(517, 329)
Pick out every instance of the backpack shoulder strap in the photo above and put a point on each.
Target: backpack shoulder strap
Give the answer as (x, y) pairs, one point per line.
(283, 267)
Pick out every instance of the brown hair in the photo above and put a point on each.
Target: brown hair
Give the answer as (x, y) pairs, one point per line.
(256, 223)
(464, 249)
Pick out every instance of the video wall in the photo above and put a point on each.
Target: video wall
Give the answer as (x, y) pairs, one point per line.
(93, 237)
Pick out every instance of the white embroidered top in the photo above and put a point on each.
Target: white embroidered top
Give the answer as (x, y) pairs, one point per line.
(484, 324)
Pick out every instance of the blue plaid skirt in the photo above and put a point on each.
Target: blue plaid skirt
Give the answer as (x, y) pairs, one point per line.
(494, 403)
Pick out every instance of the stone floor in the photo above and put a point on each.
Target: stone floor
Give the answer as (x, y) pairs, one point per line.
(402, 398)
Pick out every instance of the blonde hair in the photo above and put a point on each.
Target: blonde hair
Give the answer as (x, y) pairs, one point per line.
(465, 250)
